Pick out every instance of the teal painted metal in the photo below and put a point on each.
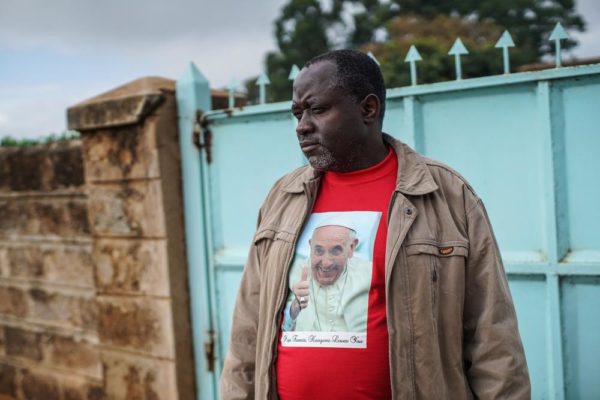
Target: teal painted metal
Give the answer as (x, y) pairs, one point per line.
(504, 43)
(580, 305)
(527, 142)
(558, 34)
(262, 82)
(294, 71)
(554, 343)
(458, 49)
(373, 58)
(412, 57)
(233, 84)
(193, 94)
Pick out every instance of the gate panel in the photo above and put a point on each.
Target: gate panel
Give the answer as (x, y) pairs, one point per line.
(581, 302)
(529, 293)
(528, 143)
(582, 143)
(489, 135)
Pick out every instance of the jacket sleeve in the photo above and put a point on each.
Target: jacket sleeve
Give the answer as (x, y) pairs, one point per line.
(494, 358)
(237, 377)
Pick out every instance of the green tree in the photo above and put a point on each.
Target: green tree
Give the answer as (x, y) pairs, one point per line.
(301, 33)
(433, 38)
(305, 29)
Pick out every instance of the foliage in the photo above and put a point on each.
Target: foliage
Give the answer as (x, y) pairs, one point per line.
(433, 38)
(301, 33)
(9, 141)
(306, 28)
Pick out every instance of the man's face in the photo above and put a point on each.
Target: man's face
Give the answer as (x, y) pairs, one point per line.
(330, 249)
(330, 124)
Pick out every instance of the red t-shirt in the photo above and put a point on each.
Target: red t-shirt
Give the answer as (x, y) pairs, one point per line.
(348, 373)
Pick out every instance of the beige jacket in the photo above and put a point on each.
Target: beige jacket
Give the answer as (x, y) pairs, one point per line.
(451, 321)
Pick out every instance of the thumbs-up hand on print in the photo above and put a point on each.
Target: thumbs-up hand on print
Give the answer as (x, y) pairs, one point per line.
(301, 291)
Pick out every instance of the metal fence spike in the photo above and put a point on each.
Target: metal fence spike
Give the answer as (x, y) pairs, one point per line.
(458, 49)
(294, 71)
(231, 86)
(373, 58)
(412, 57)
(558, 34)
(504, 43)
(262, 82)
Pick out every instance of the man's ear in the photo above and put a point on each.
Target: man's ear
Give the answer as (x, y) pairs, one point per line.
(370, 107)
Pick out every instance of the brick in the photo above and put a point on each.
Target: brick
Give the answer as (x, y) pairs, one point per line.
(130, 209)
(66, 160)
(50, 216)
(23, 344)
(144, 325)
(72, 353)
(4, 262)
(13, 302)
(80, 388)
(138, 378)
(36, 386)
(54, 263)
(69, 265)
(45, 167)
(131, 266)
(25, 262)
(8, 386)
(69, 310)
(85, 392)
(121, 153)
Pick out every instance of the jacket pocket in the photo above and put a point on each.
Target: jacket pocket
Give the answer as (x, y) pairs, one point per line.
(274, 247)
(273, 233)
(443, 262)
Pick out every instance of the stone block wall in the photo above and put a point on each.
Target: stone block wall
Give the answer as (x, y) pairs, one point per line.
(48, 313)
(94, 300)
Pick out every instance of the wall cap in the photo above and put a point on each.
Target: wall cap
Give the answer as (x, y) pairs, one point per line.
(125, 105)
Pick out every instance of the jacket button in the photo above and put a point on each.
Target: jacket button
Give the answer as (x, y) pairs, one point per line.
(408, 211)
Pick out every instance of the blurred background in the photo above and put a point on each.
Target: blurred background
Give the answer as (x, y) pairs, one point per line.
(53, 55)
(101, 298)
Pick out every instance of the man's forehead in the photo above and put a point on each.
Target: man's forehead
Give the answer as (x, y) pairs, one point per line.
(331, 231)
(317, 78)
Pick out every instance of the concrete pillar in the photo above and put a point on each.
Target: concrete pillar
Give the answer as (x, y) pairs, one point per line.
(133, 181)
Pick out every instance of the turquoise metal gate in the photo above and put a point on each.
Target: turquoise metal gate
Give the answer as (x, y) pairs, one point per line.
(529, 143)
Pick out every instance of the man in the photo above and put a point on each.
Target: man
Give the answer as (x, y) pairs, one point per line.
(441, 323)
(330, 289)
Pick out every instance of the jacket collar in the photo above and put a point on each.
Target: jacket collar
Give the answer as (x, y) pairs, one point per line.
(413, 178)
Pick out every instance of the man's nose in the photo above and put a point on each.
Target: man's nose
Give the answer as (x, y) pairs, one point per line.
(305, 125)
(327, 262)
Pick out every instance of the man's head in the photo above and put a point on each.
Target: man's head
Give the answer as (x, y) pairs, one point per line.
(357, 75)
(339, 103)
(331, 246)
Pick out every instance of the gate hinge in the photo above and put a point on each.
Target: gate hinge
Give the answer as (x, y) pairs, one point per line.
(209, 351)
(202, 135)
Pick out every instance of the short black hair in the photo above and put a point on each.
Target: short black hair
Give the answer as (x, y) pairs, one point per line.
(358, 75)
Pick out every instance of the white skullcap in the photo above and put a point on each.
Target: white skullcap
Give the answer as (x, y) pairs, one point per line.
(340, 219)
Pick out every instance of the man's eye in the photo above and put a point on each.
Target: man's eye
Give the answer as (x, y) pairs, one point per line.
(317, 110)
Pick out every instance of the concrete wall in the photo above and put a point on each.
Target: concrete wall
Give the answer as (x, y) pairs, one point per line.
(48, 312)
(93, 277)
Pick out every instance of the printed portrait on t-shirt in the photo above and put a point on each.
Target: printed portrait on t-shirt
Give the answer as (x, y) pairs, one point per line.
(329, 281)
